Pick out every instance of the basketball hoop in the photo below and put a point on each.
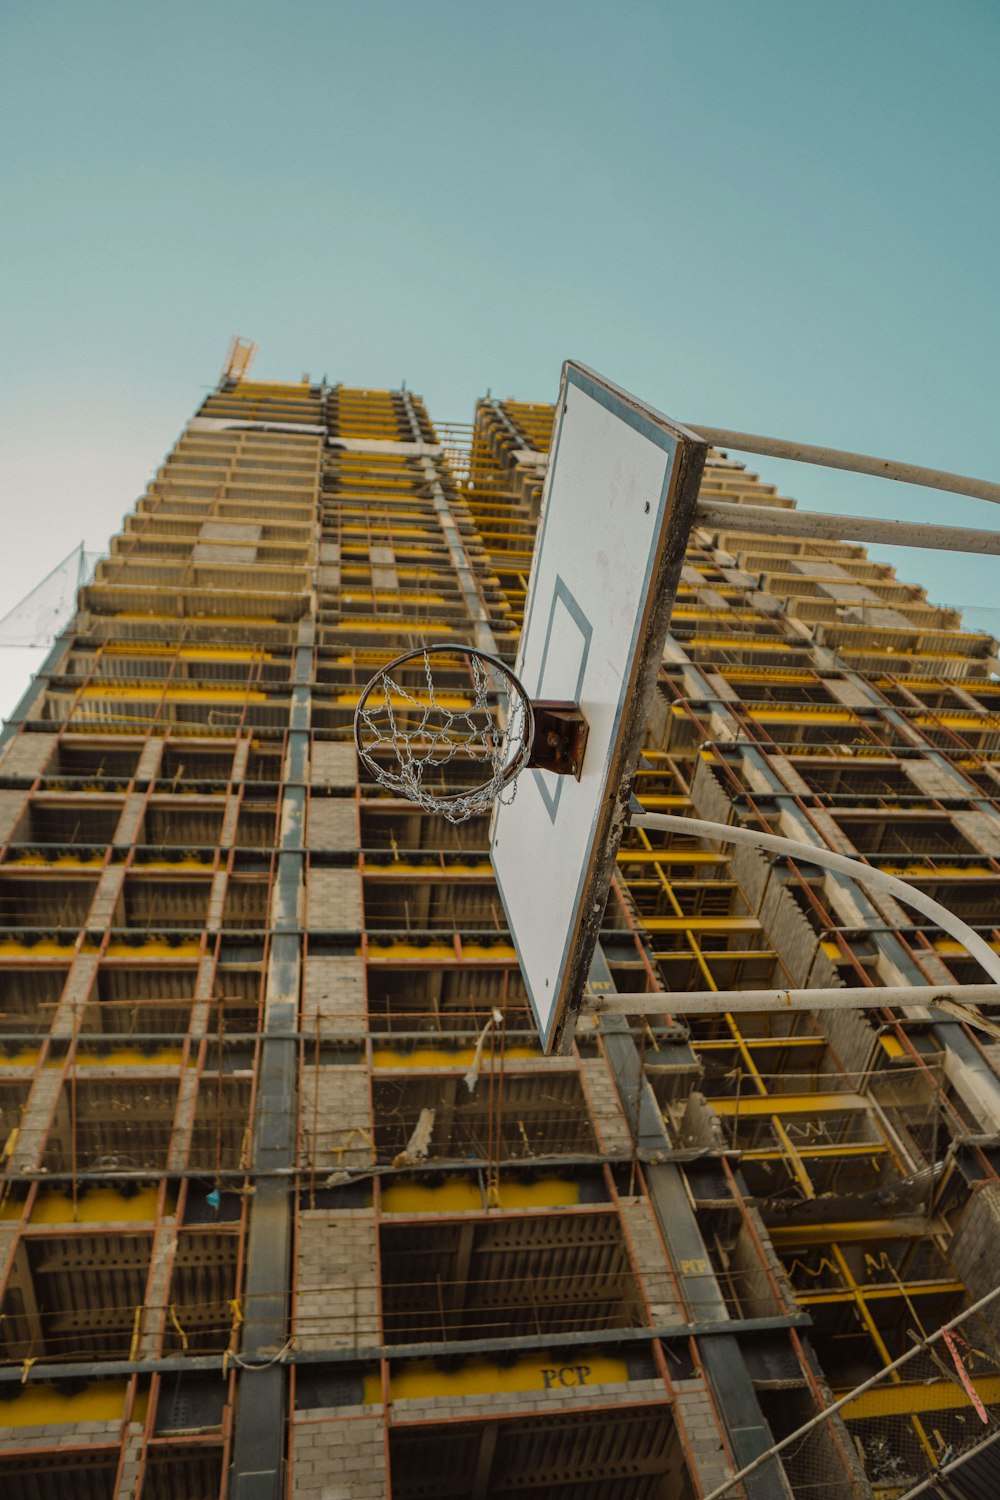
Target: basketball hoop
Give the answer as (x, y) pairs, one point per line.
(406, 727)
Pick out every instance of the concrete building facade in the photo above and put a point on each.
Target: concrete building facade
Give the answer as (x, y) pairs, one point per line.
(271, 1225)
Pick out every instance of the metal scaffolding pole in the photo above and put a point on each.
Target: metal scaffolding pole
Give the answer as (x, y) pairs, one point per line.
(766, 520)
(858, 463)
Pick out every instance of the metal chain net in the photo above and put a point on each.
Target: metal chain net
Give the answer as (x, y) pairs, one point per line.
(478, 721)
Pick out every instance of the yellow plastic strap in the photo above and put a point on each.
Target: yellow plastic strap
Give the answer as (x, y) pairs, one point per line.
(26, 1369)
(134, 1346)
(180, 1332)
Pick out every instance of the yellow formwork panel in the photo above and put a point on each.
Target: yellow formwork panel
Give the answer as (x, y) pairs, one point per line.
(149, 950)
(125, 1057)
(461, 1195)
(15, 948)
(60, 861)
(98, 1206)
(44, 1406)
(442, 953)
(540, 1372)
(912, 1398)
(442, 1057)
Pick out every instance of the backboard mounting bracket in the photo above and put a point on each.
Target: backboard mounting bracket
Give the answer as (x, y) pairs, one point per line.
(560, 738)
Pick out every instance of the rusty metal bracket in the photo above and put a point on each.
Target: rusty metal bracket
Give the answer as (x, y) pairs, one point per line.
(559, 742)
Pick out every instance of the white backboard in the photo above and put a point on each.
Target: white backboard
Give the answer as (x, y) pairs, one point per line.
(617, 509)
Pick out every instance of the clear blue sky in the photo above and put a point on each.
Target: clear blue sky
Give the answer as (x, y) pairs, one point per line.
(774, 215)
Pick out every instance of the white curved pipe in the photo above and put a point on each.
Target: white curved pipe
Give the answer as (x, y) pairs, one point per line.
(726, 833)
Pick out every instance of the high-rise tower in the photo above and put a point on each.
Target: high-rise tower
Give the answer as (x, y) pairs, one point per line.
(282, 1215)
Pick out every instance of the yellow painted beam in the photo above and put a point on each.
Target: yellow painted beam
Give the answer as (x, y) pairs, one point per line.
(898, 1399)
(700, 924)
(856, 1231)
(880, 1293)
(790, 1104)
(171, 694)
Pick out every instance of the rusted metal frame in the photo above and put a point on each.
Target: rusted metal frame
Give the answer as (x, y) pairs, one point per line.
(158, 1232)
(729, 1377)
(29, 795)
(952, 1036)
(617, 881)
(824, 856)
(85, 681)
(12, 725)
(842, 1401)
(689, 933)
(680, 1424)
(384, 1357)
(810, 895)
(859, 1298)
(837, 935)
(240, 1267)
(202, 1038)
(892, 714)
(835, 1428)
(156, 717)
(754, 1233)
(68, 1069)
(137, 536)
(614, 1197)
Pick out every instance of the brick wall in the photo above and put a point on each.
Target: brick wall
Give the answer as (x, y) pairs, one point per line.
(337, 1302)
(706, 1451)
(333, 899)
(336, 1125)
(339, 1458)
(608, 1119)
(649, 1256)
(334, 990)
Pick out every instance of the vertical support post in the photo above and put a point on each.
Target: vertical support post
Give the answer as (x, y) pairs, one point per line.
(258, 1471)
(721, 1355)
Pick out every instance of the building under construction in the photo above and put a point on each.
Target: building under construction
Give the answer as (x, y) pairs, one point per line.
(282, 1215)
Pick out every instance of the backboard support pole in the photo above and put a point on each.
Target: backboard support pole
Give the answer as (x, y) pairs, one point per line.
(767, 520)
(718, 1002)
(857, 463)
